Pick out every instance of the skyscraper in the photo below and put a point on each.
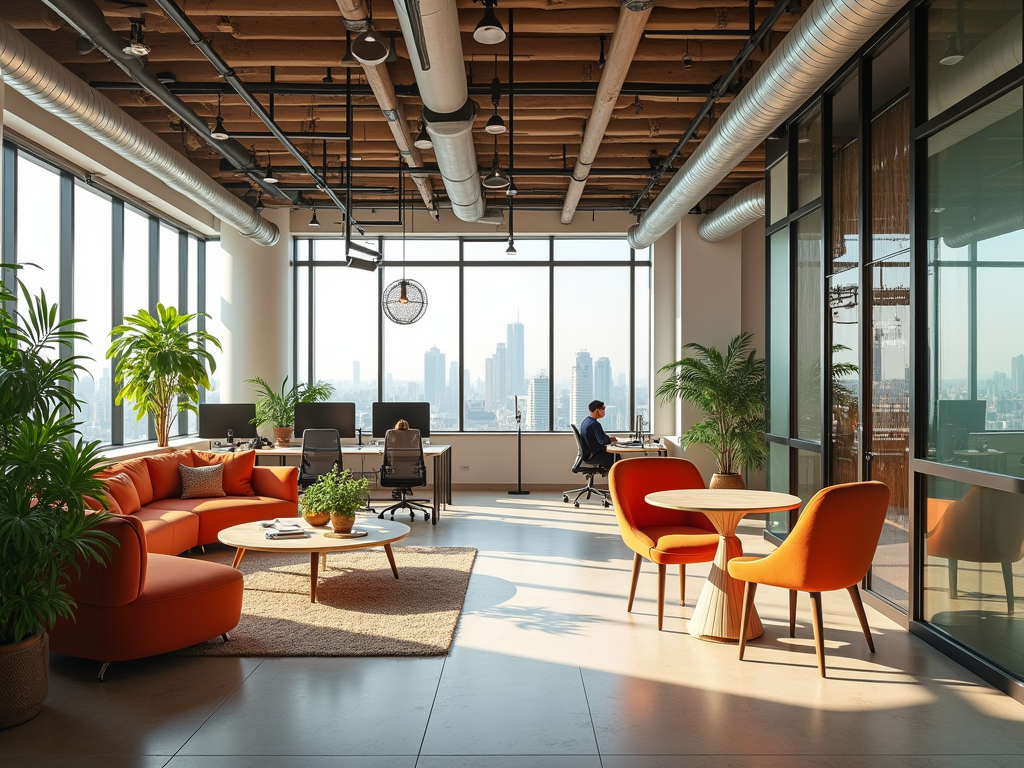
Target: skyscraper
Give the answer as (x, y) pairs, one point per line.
(1017, 373)
(434, 378)
(537, 408)
(603, 379)
(516, 359)
(490, 385)
(500, 374)
(581, 391)
(453, 386)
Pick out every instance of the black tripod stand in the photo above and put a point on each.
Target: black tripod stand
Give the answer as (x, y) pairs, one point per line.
(519, 449)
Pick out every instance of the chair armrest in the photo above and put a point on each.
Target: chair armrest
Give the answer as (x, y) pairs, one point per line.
(276, 482)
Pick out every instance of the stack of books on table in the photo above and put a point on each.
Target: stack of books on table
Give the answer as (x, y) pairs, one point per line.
(284, 529)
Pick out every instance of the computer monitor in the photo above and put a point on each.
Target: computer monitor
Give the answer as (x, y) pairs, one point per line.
(215, 419)
(339, 416)
(386, 415)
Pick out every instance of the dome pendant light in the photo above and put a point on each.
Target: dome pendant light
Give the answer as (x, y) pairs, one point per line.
(270, 177)
(423, 140)
(489, 31)
(137, 38)
(219, 132)
(954, 53)
(496, 178)
(404, 301)
(495, 125)
(313, 222)
(370, 47)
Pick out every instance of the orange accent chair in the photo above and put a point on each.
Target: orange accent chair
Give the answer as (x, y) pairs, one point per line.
(663, 536)
(830, 547)
(143, 604)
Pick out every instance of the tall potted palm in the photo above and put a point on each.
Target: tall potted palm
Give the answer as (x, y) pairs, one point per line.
(277, 407)
(46, 470)
(731, 390)
(161, 365)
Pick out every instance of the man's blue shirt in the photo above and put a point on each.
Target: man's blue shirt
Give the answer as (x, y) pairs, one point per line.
(594, 438)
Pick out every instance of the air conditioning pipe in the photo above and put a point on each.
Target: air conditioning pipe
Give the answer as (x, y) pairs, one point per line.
(39, 78)
(739, 211)
(448, 112)
(827, 35)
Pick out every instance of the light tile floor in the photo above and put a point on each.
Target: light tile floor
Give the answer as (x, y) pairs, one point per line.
(547, 670)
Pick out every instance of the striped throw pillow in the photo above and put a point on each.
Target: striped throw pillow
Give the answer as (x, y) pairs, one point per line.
(202, 482)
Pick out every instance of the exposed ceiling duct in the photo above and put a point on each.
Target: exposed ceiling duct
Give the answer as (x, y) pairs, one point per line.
(633, 17)
(448, 112)
(39, 78)
(827, 35)
(379, 80)
(1001, 224)
(742, 209)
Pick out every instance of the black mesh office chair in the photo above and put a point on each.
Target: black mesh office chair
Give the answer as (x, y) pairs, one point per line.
(321, 452)
(583, 466)
(404, 469)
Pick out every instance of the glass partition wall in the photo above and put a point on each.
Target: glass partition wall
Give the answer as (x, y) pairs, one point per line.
(895, 317)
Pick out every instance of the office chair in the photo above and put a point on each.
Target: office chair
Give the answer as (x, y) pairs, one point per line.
(403, 470)
(583, 466)
(321, 452)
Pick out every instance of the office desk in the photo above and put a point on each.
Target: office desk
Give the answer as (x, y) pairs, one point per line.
(442, 466)
(629, 451)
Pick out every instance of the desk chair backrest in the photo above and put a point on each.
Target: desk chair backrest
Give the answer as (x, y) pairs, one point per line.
(321, 452)
(584, 463)
(630, 481)
(403, 459)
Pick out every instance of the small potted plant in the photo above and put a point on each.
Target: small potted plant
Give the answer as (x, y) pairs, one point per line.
(337, 494)
(278, 408)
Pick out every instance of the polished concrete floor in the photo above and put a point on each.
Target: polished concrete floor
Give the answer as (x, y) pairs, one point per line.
(547, 670)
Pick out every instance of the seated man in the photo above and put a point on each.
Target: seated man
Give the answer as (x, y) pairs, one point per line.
(594, 437)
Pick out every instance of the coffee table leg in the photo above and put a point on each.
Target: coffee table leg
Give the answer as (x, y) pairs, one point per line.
(314, 565)
(391, 559)
(239, 554)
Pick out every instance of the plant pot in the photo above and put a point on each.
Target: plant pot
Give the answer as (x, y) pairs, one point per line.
(732, 481)
(282, 435)
(342, 523)
(317, 518)
(24, 678)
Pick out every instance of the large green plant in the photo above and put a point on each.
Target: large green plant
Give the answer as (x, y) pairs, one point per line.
(731, 390)
(161, 365)
(45, 468)
(336, 492)
(277, 408)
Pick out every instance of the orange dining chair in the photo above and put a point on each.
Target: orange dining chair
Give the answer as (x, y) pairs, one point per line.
(830, 547)
(663, 536)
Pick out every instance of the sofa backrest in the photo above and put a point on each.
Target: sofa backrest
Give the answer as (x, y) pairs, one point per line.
(122, 580)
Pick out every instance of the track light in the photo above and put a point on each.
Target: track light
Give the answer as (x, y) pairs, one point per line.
(369, 47)
(423, 140)
(270, 177)
(313, 222)
(137, 38)
(954, 53)
(489, 31)
(219, 132)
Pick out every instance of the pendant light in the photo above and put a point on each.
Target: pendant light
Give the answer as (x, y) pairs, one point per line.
(259, 203)
(495, 125)
(404, 301)
(269, 176)
(313, 222)
(496, 178)
(369, 47)
(137, 38)
(489, 31)
(687, 58)
(423, 140)
(511, 250)
(954, 53)
(219, 132)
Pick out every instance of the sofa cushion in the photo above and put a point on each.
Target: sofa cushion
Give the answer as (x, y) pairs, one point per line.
(164, 474)
(202, 482)
(137, 470)
(238, 469)
(217, 514)
(121, 488)
(168, 531)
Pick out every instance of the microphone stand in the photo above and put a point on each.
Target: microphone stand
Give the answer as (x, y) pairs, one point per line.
(519, 448)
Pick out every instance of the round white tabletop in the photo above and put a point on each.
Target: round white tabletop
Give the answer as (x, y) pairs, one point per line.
(380, 533)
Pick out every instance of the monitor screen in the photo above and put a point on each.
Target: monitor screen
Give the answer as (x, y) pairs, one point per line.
(339, 416)
(215, 419)
(386, 415)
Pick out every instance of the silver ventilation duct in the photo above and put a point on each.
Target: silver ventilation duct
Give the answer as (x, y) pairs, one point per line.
(740, 210)
(827, 35)
(39, 78)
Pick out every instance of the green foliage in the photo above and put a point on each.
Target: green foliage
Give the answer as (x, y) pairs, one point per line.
(45, 468)
(335, 492)
(278, 408)
(161, 365)
(731, 390)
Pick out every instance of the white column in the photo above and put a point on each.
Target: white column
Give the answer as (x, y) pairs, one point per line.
(256, 309)
(664, 348)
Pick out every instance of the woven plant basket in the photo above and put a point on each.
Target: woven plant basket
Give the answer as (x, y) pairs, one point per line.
(732, 482)
(24, 679)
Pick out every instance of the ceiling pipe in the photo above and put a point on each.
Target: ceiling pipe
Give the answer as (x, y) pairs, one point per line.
(742, 209)
(633, 16)
(88, 21)
(39, 78)
(448, 112)
(356, 21)
(827, 35)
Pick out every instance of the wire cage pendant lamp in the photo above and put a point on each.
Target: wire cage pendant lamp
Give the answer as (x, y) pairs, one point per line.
(404, 301)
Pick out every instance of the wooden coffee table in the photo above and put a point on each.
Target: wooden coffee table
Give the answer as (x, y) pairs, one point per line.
(251, 536)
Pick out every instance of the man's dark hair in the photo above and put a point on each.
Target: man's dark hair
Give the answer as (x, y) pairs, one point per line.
(594, 405)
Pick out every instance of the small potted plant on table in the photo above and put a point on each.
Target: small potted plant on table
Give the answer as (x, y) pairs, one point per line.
(338, 495)
(278, 408)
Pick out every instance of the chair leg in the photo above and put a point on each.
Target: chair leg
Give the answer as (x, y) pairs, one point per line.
(1008, 581)
(819, 630)
(661, 594)
(682, 583)
(858, 606)
(637, 560)
(792, 613)
(952, 579)
(103, 671)
(749, 588)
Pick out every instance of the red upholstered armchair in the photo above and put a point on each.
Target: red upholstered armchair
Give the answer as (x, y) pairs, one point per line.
(143, 605)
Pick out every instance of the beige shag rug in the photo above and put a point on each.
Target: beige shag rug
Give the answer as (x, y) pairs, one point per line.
(361, 609)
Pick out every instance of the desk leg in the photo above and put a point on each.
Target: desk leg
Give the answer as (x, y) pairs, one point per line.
(448, 476)
(391, 559)
(718, 612)
(314, 566)
(438, 490)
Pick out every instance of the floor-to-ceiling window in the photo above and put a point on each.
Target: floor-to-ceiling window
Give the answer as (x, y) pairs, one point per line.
(557, 324)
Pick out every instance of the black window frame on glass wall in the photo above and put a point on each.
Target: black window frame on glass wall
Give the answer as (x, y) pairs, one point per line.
(303, 257)
(70, 182)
